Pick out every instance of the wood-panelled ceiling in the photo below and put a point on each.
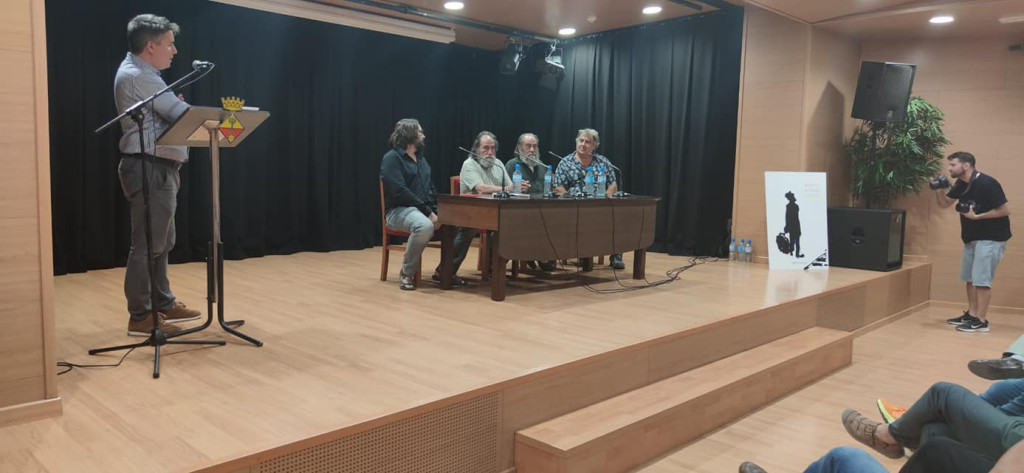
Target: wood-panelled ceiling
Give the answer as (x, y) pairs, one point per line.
(906, 19)
(867, 19)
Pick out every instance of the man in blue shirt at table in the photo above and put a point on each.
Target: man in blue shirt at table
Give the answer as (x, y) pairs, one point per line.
(572, 172)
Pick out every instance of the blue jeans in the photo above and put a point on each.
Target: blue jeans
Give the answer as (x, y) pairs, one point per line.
(1007, 396)
(421, 230)
(846, 459)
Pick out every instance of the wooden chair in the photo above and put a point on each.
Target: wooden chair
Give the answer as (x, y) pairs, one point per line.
(387, 247)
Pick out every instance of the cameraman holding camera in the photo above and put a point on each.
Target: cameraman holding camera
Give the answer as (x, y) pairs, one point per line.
(984, 229)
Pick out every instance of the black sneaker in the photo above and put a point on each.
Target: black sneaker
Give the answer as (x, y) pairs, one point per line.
(959, 320)
(615, 261)
(456, 281)
(973, 325)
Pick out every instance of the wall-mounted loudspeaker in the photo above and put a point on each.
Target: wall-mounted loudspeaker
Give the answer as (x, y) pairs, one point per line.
(883, 90)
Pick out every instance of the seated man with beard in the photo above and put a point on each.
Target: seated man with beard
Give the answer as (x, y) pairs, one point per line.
(527, 156)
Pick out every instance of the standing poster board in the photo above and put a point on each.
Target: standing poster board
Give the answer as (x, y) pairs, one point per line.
(796, 211)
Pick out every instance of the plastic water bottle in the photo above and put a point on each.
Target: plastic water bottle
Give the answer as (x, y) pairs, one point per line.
(548, 179)
(732, 249)
(588, 182)
(602, 183)
(749, 250)
(740, 251)
(517, 181)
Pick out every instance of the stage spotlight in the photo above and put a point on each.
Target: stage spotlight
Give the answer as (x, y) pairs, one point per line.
(510, 58)
(551, 68)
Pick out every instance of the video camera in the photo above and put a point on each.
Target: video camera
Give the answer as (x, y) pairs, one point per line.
(940, 182)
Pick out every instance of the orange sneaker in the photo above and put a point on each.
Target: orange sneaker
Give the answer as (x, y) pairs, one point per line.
(890, 412)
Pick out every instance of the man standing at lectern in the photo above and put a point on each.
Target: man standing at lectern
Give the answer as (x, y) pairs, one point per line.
(984, 229)
(151, 44)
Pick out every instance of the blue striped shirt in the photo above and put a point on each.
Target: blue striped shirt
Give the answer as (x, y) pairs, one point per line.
(137, 80)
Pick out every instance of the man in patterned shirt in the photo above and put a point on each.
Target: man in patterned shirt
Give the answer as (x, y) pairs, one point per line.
(572, 170)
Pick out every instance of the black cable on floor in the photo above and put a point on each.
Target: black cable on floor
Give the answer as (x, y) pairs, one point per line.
(70, 366)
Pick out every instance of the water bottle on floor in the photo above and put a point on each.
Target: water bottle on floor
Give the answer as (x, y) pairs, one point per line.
(749, 250)
(732, 249)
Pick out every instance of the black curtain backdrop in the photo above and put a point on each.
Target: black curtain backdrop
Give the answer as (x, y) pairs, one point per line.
(664, 98)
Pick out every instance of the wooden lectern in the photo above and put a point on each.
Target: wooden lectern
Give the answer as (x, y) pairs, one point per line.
(201, 127)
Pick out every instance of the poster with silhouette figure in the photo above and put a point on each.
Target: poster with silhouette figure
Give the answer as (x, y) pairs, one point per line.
(797, 217)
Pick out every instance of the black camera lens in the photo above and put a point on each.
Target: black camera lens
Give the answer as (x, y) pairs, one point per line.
(939, 182)
(964, 207)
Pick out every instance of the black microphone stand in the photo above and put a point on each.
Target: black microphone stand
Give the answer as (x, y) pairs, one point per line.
(156, 338)
(502, 194)
(619, 193)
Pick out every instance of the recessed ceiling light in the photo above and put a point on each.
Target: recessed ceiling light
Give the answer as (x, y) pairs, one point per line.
(652, 10)
(1006, 20)
(454, 5)
(941, 19)
(567, 31)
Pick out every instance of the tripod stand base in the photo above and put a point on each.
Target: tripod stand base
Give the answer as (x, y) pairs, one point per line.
(156, 340)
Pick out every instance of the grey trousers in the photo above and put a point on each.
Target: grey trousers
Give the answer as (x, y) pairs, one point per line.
(164, 182)
(421, 230)
(950, 410)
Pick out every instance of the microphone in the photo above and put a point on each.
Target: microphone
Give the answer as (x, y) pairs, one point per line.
(620, 192)
(497, 195)
(197, 64)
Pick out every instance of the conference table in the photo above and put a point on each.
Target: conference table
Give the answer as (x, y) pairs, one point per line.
(547, 229)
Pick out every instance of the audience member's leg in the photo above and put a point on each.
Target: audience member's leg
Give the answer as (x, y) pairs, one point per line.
(970, 419)
(1017, 348)
(1007, 396)
(944, 455)
(935, 430)
(848, 460)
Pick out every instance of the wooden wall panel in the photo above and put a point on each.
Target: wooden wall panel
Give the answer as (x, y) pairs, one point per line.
(771, 105)
(797, 90)
(27, 370)
(979, 85)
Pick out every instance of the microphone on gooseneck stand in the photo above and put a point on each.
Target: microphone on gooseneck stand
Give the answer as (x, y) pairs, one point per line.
(579, 193)
(497, 195)
(620, 192)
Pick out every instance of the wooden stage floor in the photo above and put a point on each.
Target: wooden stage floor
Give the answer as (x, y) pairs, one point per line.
(344, 349)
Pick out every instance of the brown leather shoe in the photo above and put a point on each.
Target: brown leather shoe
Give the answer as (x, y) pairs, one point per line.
(180, 313)
(863, 429)
(1002, 368)
(144, 327)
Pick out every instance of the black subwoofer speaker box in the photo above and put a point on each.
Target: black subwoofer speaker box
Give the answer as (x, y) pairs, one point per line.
(883, 90)
(866, 238)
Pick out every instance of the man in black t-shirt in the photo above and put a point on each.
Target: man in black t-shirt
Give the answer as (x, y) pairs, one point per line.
(984, 229)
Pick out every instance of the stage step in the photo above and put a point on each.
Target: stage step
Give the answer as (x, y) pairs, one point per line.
(629, 430)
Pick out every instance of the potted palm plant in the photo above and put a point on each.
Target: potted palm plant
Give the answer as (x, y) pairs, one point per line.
(892, 159)
(889, 160)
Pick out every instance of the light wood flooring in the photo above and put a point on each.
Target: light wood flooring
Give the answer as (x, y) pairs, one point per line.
(344, 349)
(898, 361)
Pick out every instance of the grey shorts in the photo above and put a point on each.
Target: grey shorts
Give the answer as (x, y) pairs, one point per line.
(979, 262)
